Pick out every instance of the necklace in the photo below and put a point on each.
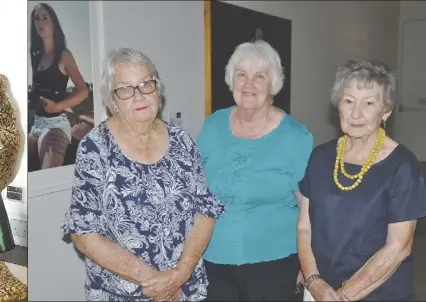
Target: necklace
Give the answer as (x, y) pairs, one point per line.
(142, 142)
(340, 161)
(240, 128)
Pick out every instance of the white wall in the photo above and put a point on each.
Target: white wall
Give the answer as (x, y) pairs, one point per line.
(172, 34)
(174, 40)
(409, 126)
(14, 67)
(55, 272)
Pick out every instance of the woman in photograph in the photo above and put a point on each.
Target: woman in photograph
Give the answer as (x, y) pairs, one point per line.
(52, 65)
(11, 289)
(361, 197)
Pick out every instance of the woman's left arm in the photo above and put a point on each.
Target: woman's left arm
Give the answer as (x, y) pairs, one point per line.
(383, 264)
(195, 245)
(406, 204)
(207, 209)
(81, 91)
(164, 284)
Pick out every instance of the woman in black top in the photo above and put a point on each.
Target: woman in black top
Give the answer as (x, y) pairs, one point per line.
(361, 197)
(53, 65)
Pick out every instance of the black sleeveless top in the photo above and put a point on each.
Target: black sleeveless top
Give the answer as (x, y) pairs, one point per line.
(349, 227)
(50, 83)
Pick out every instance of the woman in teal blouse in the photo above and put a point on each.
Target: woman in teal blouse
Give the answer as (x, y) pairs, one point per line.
(254, 155)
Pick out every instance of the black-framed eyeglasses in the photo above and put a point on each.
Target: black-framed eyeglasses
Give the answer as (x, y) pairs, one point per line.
(127, 92)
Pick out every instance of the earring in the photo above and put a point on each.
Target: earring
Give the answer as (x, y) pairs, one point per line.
(114, 109)
(384, 124)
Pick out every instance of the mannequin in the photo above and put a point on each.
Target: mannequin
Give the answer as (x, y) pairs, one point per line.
(11, 289)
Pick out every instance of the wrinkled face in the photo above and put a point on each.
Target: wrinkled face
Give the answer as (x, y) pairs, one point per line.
(252, 86)
(43, 22)
(362, 110)
(132, 104)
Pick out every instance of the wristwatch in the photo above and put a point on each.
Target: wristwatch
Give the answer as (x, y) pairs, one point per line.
(310, 279)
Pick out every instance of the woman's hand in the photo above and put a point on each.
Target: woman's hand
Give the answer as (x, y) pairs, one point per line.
(178, 296)
(85, 119)
(164, 286)
(340, 293)
(321, 291)
(50, 106)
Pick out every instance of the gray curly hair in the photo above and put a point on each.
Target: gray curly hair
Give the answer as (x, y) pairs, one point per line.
(366, 73)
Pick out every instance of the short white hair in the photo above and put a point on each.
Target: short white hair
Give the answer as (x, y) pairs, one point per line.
(125, 56)
(250, 52)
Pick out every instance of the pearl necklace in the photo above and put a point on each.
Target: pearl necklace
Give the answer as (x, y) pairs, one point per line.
(340, 161)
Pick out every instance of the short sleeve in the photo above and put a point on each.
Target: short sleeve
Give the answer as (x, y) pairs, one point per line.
(304, 183)
(205, 139)
(206, 203)
(305, 146)
(85, 213)
(407, 199)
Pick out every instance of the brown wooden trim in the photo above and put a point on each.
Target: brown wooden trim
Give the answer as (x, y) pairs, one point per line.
(207, 57)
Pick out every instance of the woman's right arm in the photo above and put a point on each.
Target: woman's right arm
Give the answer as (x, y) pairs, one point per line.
(319, 289)
(306, 257)
(85, 220)
(113, 257)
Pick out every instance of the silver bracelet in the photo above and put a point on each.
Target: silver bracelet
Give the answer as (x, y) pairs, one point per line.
(310, 279)
(343, 292)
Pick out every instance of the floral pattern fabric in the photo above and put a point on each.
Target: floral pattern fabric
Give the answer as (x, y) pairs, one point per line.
(147, 209)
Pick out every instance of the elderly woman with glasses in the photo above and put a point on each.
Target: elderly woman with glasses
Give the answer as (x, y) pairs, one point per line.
(141, 211)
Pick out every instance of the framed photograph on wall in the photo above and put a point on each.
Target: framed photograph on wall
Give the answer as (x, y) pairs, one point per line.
(60, 86)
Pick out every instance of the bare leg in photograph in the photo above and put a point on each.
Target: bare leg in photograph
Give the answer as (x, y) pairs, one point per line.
(53, 144)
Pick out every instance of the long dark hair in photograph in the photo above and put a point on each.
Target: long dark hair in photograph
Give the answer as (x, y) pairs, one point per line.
(37, 47)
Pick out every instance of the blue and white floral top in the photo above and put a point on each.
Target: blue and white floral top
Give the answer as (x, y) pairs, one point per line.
(147, 209)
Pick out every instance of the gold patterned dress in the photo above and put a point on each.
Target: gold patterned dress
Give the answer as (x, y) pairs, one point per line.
(11, 289)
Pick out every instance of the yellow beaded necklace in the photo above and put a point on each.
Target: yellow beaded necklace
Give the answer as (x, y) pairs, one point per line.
(340, 161)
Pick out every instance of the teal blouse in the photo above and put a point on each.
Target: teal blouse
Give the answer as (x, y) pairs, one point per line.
(255, 179)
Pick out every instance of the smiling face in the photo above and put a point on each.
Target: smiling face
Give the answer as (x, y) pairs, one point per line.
(362, 110)
(251, 86)
(139, 107)
(43, 22)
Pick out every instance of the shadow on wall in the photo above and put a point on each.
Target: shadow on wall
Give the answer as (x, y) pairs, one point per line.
(21, 130)
(67, 240)
(333, 118)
